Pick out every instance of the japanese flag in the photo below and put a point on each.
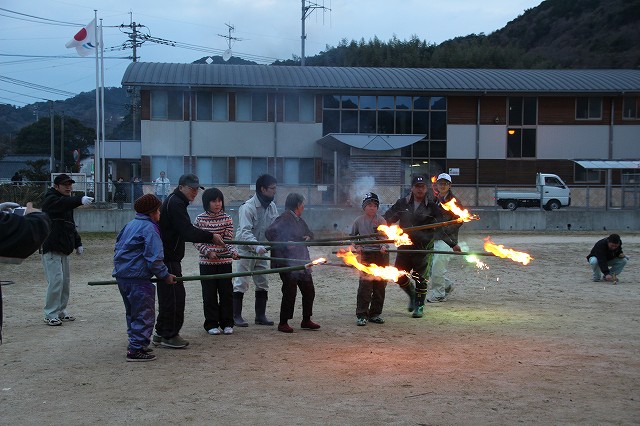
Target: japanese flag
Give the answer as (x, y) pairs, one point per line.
(85, 40)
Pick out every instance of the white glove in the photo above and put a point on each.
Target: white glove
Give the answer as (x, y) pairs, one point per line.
(86, 200)
(261, 250)
(6, 206)
(80, 250)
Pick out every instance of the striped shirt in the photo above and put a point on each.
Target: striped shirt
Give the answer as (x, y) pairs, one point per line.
(222, 224)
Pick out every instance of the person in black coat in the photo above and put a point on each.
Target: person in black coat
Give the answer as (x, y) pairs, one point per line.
(20, 236)
(175, 229)
(606, 258)
(62, 241)
(414, 210)
(289, 226)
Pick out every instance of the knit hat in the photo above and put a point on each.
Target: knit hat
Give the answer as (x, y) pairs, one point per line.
(370, 197)
(146, 204)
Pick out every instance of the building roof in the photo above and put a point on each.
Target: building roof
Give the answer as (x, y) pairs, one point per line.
(397, 80)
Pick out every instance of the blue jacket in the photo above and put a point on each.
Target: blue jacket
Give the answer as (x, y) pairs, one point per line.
(138, 252)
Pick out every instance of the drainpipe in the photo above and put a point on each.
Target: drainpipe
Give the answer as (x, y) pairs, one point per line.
(609, 173)
(478, 151)
(190, 131)
(275, 135)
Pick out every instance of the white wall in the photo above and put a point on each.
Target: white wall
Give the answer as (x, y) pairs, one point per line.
(165, 138)
(570, 142)
(626, 142)
(493, 142)
(461, 141)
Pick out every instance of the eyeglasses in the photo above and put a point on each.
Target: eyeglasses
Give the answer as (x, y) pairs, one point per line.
(271, 188)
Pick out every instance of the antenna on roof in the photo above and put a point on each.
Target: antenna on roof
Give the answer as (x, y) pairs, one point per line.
(308, 6)
(230, 39)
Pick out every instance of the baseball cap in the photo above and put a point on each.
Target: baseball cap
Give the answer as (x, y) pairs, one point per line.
(62, 178)
(190, 180)
(418, 179)
(444, 176)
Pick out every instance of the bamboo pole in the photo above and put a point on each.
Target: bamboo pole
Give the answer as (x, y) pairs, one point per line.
(456, 253)
(222, 276)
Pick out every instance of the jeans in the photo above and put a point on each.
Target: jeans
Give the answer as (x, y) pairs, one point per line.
(616, 265)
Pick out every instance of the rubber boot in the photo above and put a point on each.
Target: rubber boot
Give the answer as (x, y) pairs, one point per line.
(410, 289)
(261, 307)
(237, 310)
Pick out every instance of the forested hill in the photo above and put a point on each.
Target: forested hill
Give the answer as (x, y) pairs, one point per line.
(555, 34)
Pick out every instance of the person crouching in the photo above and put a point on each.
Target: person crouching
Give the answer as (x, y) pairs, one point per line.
(138, 257)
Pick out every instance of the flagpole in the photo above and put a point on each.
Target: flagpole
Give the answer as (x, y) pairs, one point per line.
(102, 165)
(96, 154)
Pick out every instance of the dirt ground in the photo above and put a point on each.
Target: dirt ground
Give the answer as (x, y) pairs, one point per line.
(536, 344)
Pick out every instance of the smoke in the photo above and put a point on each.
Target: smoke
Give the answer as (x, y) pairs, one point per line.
(361, 186)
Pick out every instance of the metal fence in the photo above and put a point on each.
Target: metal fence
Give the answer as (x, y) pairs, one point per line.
(587, 197)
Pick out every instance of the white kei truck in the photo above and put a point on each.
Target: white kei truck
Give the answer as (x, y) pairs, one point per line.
(551, 193)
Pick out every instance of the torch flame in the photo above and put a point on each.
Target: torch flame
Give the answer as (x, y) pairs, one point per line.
(386, 272)
(463, 215)
(319, 261)
(474, 259)
(394, 232)
(500, 251)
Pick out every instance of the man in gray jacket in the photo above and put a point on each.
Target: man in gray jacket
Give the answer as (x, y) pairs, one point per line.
(254, 216)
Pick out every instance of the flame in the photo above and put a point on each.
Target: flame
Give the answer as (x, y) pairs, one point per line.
(433, 179)
(463, 215)
(386, 272)
(319, 261)
(500, 251)
(474, 259)
(394, 232)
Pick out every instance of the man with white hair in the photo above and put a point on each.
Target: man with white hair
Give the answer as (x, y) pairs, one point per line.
(446, 238)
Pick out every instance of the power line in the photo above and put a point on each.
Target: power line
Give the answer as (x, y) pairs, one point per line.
(36, 86)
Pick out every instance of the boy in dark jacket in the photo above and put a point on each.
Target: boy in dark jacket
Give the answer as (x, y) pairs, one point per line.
(138, 257)
(289, 226)
(63, 239)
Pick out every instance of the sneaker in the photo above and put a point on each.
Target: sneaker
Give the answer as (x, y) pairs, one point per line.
(214, 331)
(52, 321)
(309, 325)
(436, 299)
(147, 349)
(285, 328)
(156, 340)
(139, 356)
(66, 316)
(376, 319)
(361, 321)
(449, 290)
(418, 312)
(176, 342)
(228, 330)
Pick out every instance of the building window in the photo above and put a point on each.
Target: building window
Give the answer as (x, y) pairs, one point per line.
(521, 132)
(630, 108)
(589, 108)
(172, 166)
(299, 171)
(580, 174)
(166, 105)
(204, 106)
(248, 169)
(220, 107)
(212, 171)
(299, 108)
(251, 107)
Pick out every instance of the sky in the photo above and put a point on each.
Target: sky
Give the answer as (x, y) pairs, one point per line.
(35, 65)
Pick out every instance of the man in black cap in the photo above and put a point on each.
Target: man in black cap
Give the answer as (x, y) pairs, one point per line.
(414, 210)
(63, 239)
(175, 229)
(607, 259)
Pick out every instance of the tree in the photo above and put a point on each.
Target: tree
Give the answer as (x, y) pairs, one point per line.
(36, 139)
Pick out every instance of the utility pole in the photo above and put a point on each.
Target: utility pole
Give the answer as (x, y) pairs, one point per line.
(230, 39)
(61, 168)
(52, 157)
(307, 7)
